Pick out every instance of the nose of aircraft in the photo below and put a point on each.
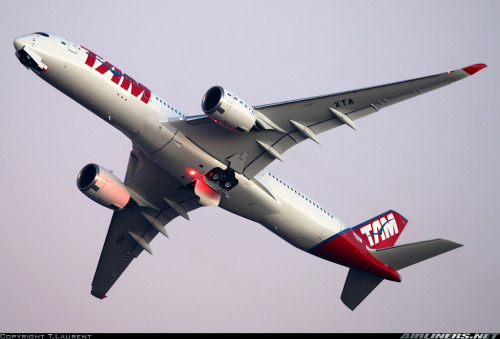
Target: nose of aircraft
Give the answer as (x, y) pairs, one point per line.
(28, 56)
(19, 43)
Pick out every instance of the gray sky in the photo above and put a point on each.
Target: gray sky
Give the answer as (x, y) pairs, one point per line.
(434, 159)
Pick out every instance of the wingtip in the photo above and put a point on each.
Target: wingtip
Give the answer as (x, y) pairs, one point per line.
(474, 68)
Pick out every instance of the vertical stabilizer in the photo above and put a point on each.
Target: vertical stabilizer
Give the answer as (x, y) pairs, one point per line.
(383, 230)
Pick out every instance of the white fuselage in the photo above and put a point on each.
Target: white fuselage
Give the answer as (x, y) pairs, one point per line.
(144, 118)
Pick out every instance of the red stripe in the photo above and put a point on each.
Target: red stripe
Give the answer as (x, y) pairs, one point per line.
(346, 250)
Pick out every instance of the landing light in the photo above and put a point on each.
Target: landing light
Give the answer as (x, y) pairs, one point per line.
(191, 172)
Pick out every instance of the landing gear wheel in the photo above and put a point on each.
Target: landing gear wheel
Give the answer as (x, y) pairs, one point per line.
(223, 180)
(216, 174)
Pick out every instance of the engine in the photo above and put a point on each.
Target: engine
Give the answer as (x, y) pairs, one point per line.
(228, 110)
(103, 187)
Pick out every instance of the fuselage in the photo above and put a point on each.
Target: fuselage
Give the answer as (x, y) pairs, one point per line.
(144, 117)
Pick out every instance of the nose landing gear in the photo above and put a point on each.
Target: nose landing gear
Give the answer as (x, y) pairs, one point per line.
(31, 60)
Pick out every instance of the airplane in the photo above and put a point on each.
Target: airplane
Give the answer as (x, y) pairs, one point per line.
(179, 163)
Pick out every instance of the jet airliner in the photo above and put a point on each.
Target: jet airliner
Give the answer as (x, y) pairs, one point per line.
(181, 162)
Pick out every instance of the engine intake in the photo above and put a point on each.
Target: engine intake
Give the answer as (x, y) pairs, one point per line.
(227, 110)
(103, 187)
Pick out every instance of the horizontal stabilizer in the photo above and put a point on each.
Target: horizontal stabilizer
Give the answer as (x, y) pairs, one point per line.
(357, 287)
(360, 284)
(402, 256)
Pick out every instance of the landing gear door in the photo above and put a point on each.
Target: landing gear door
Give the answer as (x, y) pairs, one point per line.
(208, 197)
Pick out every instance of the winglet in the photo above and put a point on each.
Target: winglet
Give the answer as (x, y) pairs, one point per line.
(474, 68)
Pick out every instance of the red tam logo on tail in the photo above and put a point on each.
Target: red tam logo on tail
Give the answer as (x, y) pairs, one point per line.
(383, 230)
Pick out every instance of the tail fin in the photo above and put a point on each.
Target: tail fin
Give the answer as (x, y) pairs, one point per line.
(383, 230)
(360, 284)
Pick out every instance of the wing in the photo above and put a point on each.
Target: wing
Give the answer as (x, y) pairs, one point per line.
(283, 125)
(161, 198)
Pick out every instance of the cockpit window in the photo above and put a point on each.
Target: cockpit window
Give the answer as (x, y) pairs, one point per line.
(42, 33)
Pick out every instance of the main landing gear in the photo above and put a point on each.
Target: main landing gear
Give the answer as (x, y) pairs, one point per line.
(224, 180)
(213, 185)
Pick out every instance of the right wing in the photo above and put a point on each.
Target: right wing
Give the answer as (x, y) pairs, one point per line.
(161, 199)
(285, 124)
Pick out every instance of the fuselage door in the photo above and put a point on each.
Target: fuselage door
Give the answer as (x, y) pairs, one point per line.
(72, 46)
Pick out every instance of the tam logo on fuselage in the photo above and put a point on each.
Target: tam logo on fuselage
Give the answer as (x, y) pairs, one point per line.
(380, 229)
(128, 82)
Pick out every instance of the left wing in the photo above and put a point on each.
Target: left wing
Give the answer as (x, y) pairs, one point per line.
(283, 125)
(161, 198)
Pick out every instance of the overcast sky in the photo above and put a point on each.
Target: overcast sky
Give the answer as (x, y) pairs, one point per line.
(434, 159)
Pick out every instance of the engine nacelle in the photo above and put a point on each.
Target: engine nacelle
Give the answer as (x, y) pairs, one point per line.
(228, 110)
(103, 187)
